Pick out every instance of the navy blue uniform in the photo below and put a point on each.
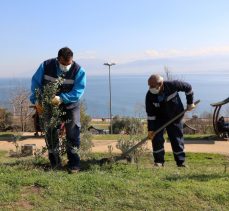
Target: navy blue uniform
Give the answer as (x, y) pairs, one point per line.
(70, 93)
(162, 107)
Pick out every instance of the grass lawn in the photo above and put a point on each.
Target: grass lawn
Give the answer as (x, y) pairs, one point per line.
(200, 137)
(8, 136)
(100, 123)
(108, 137)
(186, 137)
(101, 126)
(204, 185)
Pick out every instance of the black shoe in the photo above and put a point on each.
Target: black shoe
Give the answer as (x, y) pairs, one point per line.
(74, 170)
(182, 165)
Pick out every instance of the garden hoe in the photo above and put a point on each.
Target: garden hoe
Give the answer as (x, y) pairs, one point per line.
(124, 155)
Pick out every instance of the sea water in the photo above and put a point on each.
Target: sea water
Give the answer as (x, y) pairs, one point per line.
(128, 92)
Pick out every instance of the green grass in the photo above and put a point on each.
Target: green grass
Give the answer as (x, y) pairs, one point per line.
(200, 137)
(108, 137)
(6, 136)
(186, 137)
(9, 136)
(203, 186)
(100, 123)
(101, 126)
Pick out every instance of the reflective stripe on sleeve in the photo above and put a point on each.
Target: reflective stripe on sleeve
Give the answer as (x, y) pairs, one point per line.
(171, 96)
(188, 93)
(156, 104)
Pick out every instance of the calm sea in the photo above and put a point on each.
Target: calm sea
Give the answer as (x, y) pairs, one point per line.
(128, 92)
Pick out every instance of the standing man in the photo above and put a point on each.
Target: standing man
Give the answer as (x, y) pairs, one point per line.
(162, 104)
(68, 98)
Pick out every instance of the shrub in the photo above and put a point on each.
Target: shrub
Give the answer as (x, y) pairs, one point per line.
(118, 125)
(85, 145)
(133, 126)
(5, 119)
(84, 118)
(125, 143)
(202, 125)
(127, 125)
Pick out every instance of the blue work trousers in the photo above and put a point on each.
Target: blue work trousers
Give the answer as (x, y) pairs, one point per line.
(175, 134)
(72, 127)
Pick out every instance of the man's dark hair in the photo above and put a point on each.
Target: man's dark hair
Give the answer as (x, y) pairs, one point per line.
(66, 53)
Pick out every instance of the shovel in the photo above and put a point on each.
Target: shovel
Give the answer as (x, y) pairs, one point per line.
(124, 155)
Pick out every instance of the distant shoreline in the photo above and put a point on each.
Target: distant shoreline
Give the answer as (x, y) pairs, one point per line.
(224, 72)
(128, 93)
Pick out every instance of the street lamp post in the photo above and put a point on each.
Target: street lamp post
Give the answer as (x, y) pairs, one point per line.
(109, 65)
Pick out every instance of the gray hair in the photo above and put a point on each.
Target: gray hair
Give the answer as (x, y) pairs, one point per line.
(157, 78)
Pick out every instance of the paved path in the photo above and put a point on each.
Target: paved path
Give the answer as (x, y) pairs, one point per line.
(221, 147)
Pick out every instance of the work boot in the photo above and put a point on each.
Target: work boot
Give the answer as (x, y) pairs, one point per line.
(158, 165)
(74, 170)
(181, 165)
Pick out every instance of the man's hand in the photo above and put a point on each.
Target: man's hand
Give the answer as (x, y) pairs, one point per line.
(190, 106)
(56, 101)
(150, 135)
(39, 108)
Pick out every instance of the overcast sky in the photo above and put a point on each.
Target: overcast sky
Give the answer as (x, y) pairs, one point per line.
(139, 35)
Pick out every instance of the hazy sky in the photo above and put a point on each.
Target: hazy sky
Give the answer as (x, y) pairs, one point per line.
(186, 35)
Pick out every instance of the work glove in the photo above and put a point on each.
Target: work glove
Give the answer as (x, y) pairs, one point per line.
(150, 135)
(39, 108)
(190, 106)
(56, 101)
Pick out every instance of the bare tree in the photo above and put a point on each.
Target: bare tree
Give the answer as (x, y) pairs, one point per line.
(168, 73)
(20, 102)
(169, 76)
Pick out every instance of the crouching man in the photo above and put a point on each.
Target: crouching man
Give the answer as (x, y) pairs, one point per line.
(162, 104)
(68, 97)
